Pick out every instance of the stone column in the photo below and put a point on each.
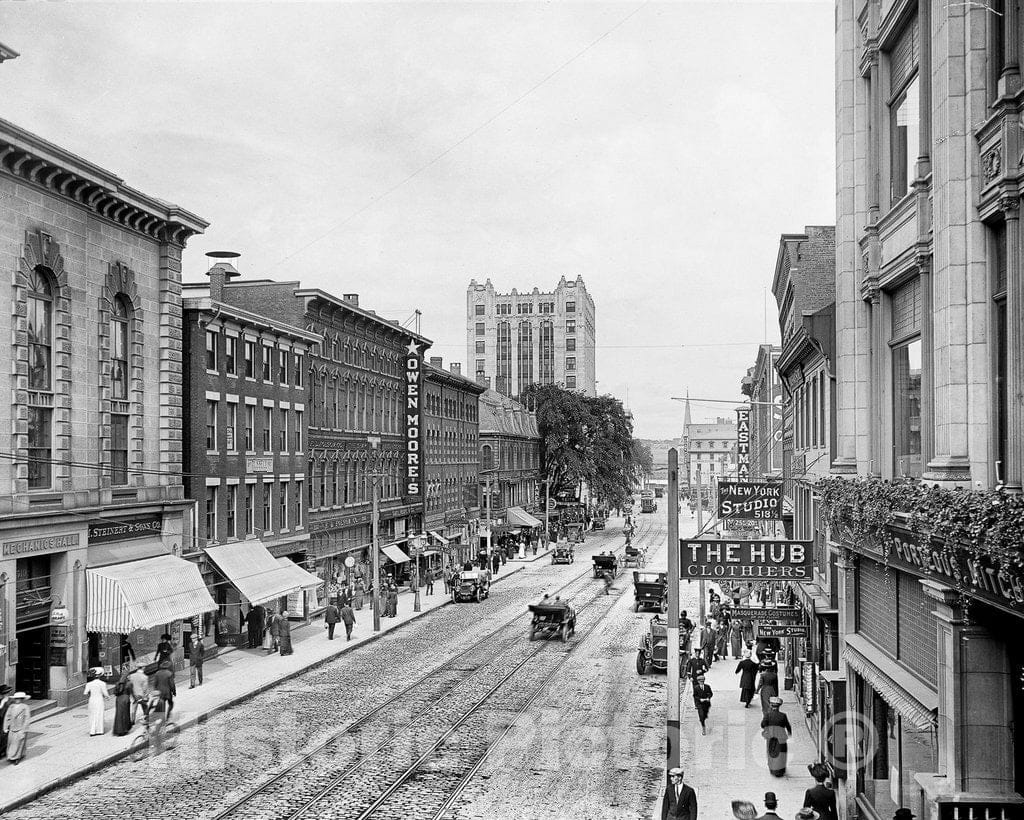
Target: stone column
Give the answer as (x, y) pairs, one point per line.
(975, 742)
(1013, 470)
(170, 377)
(876, 390)
(1009, 80)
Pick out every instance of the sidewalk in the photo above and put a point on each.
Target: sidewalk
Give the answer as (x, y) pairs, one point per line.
(730, 763)
(59, 747)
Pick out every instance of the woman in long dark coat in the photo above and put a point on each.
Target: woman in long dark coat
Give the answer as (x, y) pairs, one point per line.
(255, 622)
(768, 688)
(775, 729)
(123, 707)
(735, 637)
(747, 670)
(285, 636)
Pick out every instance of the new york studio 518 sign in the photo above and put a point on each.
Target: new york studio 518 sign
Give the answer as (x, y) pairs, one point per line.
(757, 500)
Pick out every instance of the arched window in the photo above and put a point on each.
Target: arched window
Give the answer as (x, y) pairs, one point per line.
(120, 314)
(40, 331)
(40, 299)
(488, 457)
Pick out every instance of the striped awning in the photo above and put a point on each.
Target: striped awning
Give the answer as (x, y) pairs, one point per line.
(905, 694)
(519, 517)
(142, 594)
(253, 571)
(395, 553)
(302, 579)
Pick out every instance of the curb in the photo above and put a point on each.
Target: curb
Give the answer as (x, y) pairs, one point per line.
(202, 717)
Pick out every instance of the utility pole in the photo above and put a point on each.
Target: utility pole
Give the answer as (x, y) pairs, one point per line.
(700, 529)
(488, 509)
(547, 511)
(375, 532)
(674, 683)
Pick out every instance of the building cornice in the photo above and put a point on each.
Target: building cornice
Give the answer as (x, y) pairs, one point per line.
(33, 161)
(314, 294)
(225, 310)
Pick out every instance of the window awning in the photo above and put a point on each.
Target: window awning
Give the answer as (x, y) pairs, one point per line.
(142, 594)
(519, 517)
(439, 537)
(913, 700)
(302, 579)
(253, 571)
(395, 553)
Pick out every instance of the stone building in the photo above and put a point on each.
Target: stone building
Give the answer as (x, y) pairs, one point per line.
(930, 365)
(451, 449)
(762, 386)
(93, 513)
(510, 449)
(709, 448)
(518, 339)
(245, 444)
(358, 419)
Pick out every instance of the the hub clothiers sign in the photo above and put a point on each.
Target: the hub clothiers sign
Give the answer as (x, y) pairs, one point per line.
(413, 420)
(742, 444)
(746, 560)
(761, 500)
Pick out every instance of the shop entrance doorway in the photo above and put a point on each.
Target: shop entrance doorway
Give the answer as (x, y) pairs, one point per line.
(33, 675)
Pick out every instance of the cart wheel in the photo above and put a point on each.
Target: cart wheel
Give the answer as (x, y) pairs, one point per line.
(564, 633)
(636, 606)
(476, 595)
(641, 663)
(533, 634)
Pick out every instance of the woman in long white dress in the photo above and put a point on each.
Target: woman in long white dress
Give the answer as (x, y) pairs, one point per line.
(96, 689)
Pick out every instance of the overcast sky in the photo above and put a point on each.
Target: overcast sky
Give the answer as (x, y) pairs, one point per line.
(399, 150)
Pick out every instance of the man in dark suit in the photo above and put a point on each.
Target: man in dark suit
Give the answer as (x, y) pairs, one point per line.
(771, 802)
(680, 800)
(820, 797)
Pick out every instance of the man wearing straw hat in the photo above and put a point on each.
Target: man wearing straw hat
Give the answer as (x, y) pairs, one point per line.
(680, 801)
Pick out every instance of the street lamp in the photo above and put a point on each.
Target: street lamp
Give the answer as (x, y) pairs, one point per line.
(417, 548)
(374, 442)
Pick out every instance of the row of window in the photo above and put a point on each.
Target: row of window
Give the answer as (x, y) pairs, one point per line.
(522, 308)
(449, 408)
(510, 457)
(282, 499)
(699, 444)
(265, 431)
(810, 401)
(525, 343)
(453, 492)
(570, 327)
(336, 483)
(367, 357)
(350, 405)
(272, 365)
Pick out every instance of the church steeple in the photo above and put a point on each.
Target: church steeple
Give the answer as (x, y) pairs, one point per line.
(686, 412)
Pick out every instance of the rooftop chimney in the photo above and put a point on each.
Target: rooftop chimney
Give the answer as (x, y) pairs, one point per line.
(455, 368)
(351, 298)
(221, 272)
(437, 361)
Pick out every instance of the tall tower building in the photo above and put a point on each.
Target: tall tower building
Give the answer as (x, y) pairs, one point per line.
(518, 339)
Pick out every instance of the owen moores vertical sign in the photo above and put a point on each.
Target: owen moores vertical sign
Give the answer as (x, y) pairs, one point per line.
(413, 420)
(743, 444)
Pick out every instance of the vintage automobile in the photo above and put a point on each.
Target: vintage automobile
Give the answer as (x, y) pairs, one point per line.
(650, 590)
(471, 585)
(634, 557)
(552, 619)
(605, 562)
(653, 650)
(575, 532)
(598, 523)
(563, 553)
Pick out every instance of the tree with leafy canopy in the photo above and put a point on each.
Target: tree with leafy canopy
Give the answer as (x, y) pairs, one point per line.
(589, 439)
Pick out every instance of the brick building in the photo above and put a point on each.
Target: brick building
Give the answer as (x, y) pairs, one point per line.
(518, 339)
(762, 385)
(91, 498)
(245, 444)
(709, 448)
(357, 424)
(451, 449)
(930, 366)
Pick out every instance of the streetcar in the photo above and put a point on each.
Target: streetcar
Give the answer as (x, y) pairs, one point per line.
(647, 502)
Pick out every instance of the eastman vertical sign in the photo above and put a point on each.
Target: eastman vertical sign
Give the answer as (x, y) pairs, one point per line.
(743, 444)
(413, 421)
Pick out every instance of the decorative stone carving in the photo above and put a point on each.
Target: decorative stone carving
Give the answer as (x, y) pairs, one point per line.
(991, 163)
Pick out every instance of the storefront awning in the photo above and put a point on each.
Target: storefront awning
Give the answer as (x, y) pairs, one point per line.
(913, 700)
(253, 571)
(519, 517)
(395, 553)
(141, 594)
(301, 578)
(439, 537)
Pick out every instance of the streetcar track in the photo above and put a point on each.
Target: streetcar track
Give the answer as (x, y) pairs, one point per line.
(352, 728)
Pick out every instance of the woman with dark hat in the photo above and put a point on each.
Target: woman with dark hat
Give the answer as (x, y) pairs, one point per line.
(767, 687)
(776, 729)
(820, 797)
(747, 670)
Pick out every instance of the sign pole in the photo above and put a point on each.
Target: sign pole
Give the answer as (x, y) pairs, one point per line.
(375, 535)
(674, 693)
(700, 529)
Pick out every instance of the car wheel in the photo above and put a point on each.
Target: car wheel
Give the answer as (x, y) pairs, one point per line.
(565, 632)
(636, 606)
(641, 663)
(533, 634)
